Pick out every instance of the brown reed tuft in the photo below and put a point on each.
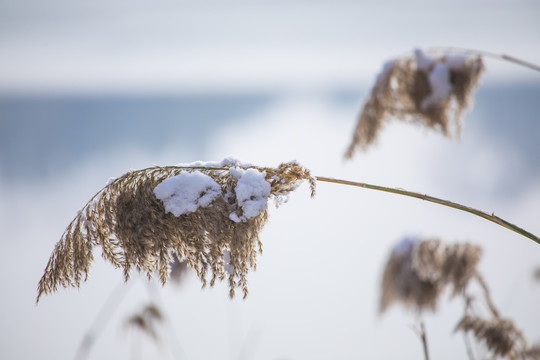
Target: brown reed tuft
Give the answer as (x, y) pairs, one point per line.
(460, 265)
(417, 272)
(533, 353)
(432, 91)
(500, 335)
(146, 320)
(135, 231)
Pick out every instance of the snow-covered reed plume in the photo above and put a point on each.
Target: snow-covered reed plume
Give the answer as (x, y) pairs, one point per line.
(430, 90)
(207, 214)
(418, 271)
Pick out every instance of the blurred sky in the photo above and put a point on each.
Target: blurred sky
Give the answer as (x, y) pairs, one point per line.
(89, 90)
(139, 46)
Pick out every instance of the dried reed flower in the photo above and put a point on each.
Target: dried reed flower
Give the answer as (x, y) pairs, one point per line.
(433, 91)
(460, 265)
(402, 282)
(532, 353)
(417, 272)
(500, 335)
(146, 320)
(207, 214)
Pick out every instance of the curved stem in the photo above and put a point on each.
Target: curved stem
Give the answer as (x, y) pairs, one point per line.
(504, 57)
(492, 217)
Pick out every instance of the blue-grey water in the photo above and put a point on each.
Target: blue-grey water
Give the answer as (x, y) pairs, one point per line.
(42, 135)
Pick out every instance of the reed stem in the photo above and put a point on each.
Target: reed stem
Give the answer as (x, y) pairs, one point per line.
(503, 57)
(497, 220)
(492, 217)
(423, 337)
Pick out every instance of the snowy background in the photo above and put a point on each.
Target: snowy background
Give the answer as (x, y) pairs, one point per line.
(89, 90)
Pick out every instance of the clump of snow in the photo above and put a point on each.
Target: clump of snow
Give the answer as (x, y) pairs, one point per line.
(439, 80)
(110, 181)
(455, 62)
(405, 245)
(252, 192)
(229, 161)
(386, 68)
(237, 172)
(186, 192)
(423, 60)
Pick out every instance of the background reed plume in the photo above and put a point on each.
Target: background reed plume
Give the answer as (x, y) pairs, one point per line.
(500, 336)
(432, 91)
(208, 215)
(146, 320)
(418, 271)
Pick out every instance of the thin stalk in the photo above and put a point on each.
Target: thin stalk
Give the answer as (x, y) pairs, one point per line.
(497, 220)
(176, 348)
(468, 346)
(101, 319)
(423, 337)
(504, 57)
(492, 217)
(487, 294)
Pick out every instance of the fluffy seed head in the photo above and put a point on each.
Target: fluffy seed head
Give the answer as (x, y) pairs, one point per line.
(417, 272)
(432, 91)
(501, 336)
(138, 230)
(146, 320)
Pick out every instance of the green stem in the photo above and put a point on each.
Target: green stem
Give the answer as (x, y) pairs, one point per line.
(492, 217)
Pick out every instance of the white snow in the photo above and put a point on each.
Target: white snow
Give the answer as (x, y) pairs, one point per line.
(423, 60)
(455, 62)
(234, 217)
(186, 192)
(386, 68)
(110, 181)
(404, 246)
(439, 80)
(252, 192)
(229, 161)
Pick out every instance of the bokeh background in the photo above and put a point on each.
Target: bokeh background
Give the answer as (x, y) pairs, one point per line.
(89, 90)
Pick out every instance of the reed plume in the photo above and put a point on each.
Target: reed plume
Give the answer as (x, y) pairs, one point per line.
(533, 353)
(430, 90)
(146, 320)
(209, 215)
(500, 336)
(417, 272)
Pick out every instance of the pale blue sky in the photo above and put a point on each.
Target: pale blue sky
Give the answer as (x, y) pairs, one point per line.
(118, 45)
